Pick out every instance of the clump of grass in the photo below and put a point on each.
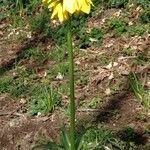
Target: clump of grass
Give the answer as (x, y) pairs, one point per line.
(20, 8)
(40, 22)
(43, 97)
(117, 85)
(86, 38)
(97, 34)
(142, 58)
(139, 91)
(92, 139)
(63, 68)
(59, 33)
(95, 102)
(43, 100)
(138, 30)
(97, 138)
(103, 59)
(117, 3)
(35, 54)
(117, 25)
(120, 27)
(58, 53)
(4, 84)
(145, 16)
(16, 85)
(128, 51)
(143, 3)
(17, 21)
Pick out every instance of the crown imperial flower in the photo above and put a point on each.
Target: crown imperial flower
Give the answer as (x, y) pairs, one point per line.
(62, 9)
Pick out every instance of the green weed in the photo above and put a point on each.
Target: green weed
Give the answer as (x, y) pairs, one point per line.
(101, 139)
(59, 33)
(117, 85)
(141, 58)
(17, 21)
(21, 83)
(89, 139)
(139, 91)
(86, 38)
(64, 89)
(58, 53)
(82, 80)
(103, 59)
(145, 16)
(117, 25)
(17, 85)
(13, 85)
(18, 89)
(35, 54)
(4, 84)
(117, 3)
(98, 35)
(32, 6)
(97, 138)
(138, 30)
(43, 100)
(43, 97)
(40, 22)
(128, 51)
(22, 6)
(65, 143)
(143, 3)
(63, 68)
(94, 103)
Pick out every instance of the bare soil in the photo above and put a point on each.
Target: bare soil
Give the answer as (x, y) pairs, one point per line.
(20, 131)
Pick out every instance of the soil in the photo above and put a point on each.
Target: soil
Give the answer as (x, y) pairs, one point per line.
(20, 131)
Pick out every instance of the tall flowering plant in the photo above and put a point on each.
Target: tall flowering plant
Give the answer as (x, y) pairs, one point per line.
(63, 10)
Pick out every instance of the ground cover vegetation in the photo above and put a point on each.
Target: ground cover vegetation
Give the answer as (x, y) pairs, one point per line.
(112, 76)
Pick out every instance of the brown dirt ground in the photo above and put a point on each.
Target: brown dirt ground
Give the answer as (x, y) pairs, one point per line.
(19, 131)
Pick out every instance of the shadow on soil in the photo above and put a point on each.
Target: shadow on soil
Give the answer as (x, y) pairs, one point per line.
(113, 104)
(19, 50)
(106, 116)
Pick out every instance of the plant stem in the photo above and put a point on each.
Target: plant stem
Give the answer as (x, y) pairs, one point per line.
(72, 97)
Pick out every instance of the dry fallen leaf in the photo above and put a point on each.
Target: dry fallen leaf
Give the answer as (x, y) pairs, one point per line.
(108, 91)
(99, 75)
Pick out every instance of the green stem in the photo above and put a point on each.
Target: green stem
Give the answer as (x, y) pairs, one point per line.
(72, 97)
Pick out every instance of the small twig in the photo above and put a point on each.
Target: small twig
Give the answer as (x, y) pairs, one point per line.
(5, 113)
(89, 110)
(10, 112)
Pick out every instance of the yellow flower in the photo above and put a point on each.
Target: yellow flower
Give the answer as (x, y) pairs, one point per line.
(85, 5)
(62, 9)
(73, 6)
(70, 5)
(58, 12)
